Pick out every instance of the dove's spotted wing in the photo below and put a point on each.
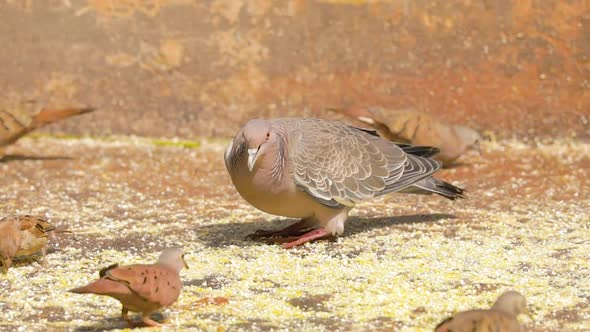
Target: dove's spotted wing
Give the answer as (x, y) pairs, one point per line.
(341, 165)
(154, 283)
(233, 151)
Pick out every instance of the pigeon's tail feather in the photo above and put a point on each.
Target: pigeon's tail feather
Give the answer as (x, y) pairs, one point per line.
(420, 151)
(435, 186)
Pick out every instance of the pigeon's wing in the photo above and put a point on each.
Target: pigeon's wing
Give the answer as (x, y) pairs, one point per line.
(233, 151)
(420, 151)
(342, 165)
(154, 283)
(415, 169)
(479, 321)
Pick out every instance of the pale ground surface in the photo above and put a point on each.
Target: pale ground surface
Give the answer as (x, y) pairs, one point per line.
(404, 263)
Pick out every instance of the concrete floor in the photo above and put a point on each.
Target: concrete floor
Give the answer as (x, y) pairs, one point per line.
(404, 263)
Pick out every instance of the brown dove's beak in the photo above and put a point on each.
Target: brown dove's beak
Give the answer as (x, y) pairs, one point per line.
(184, 262)
(252, 156)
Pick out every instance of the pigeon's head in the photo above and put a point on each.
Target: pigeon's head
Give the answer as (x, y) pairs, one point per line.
(174, 258)
(469, 137)
(512, 302)
(258, 138)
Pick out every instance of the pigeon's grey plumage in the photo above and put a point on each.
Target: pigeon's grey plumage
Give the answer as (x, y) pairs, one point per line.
(318, 170)
(502, 317)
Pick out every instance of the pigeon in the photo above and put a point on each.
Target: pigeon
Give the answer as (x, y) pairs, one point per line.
(21, 238)
(318, 170)
(502, 317)
(419, 128)
(21, 118)
(142, 288)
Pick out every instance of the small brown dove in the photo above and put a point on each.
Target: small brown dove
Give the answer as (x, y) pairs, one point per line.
(141, 288)
(502, 317)
(22, 237)
(317, 170)
(23, 117)
(418, 128)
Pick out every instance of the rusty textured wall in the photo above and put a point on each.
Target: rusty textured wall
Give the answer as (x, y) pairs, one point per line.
(199, 68)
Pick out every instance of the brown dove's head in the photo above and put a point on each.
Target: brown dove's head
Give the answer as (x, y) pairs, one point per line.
(174, 258)
(259, 139)
(469, 137)
(511, 302)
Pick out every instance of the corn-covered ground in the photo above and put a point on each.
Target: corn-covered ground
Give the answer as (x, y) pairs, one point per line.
(404, 263)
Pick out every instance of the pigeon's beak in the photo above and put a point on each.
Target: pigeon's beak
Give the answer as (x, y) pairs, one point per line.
(184, 262)
(252, 156)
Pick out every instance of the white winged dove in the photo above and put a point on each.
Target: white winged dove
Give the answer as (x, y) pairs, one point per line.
(317, 170)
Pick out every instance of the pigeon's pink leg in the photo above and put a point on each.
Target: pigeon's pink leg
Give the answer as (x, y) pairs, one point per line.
(295, 229)
(312, 235)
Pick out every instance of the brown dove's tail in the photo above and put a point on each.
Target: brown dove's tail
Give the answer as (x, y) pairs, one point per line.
(435, 186)
(93, 287)
(101, 286)
(50, 115)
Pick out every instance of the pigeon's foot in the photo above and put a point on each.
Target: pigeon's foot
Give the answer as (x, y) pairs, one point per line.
(313, 235)
(297, 229)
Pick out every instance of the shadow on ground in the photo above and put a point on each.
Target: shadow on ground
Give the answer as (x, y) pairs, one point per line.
(116, 323)
(21, 157)
(236, 233)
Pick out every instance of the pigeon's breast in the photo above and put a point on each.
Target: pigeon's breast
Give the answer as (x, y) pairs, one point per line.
(273, 195)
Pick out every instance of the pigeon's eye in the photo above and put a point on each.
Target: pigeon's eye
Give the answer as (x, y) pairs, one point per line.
(267, 135)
